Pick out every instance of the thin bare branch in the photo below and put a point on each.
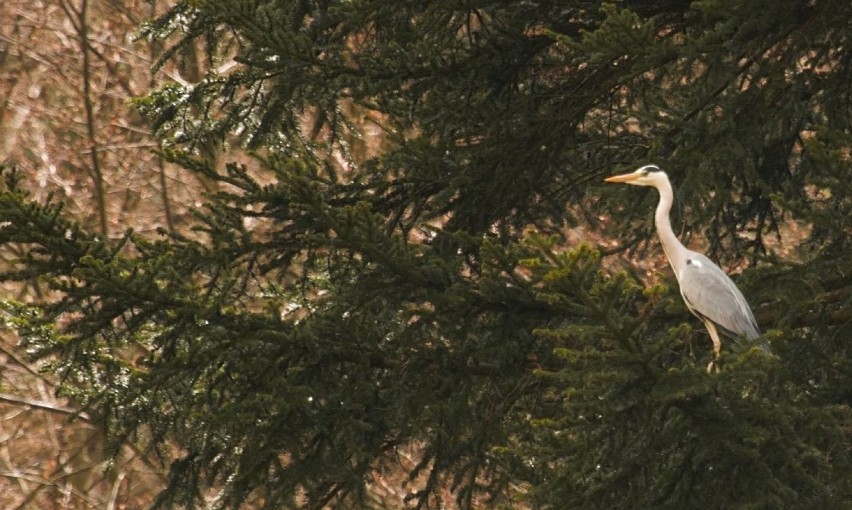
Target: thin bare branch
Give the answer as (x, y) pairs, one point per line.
(44, 406)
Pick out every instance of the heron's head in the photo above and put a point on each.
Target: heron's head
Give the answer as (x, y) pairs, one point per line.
(648, 175)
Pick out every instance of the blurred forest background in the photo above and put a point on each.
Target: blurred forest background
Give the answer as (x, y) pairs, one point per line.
(67, 70)
(323, 254)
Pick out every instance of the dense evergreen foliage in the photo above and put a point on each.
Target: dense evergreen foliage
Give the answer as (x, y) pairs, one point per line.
(338, 300)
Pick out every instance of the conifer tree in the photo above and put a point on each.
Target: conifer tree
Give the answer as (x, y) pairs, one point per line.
(334, 304)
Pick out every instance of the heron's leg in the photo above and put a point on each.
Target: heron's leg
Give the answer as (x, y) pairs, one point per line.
(717, 346)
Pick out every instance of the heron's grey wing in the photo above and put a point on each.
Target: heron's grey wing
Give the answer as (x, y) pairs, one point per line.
(711, 294)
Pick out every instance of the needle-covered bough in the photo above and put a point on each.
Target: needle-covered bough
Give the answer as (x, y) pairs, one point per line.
(708, 292)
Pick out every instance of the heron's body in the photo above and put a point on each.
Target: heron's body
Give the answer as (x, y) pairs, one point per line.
(707, 291)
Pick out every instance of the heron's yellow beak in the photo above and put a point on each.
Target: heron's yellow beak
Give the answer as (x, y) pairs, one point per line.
(623, 177)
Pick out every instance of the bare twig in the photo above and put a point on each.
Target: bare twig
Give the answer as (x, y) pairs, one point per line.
(21, 363)
(78, 18)
(44, 406)
(113, 495)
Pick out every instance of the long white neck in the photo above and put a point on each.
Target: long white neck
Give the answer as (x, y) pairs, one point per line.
(675, 251)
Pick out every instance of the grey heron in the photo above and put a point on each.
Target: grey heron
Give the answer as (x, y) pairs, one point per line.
(707, 291)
